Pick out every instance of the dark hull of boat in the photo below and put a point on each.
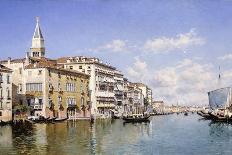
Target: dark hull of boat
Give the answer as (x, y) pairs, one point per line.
(136, 120)
(219, 118)
(60, 120)
(116, 117)
(2, 123)
(204, 115)
(43, 120)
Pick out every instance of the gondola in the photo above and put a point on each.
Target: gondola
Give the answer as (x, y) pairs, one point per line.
(204, 115)
(50, 120)
(60, 119)
(37, 119)
(2, 123)
(136, 118)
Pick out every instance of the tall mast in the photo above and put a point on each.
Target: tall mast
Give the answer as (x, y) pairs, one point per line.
(219, 77)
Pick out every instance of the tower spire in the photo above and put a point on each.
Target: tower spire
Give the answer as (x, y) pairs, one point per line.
(37, 47)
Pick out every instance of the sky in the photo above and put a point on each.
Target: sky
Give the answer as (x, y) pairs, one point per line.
(173, 46)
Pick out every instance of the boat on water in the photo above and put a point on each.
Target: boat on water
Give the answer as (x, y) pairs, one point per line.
(41, 119)
(136, 118)
(60, 119)
(204, 114)
(186, 113)
(2, 123)
(37, 119)
(220, 104)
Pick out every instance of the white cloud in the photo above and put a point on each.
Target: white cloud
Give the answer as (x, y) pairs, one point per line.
(180, 42)
(226, 57)
(138, 71)
(186, 82)
(116, 46)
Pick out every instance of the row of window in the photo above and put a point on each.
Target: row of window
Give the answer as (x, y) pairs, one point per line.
(80, 67)
(105, 88)
(8, 105)
(34, 87)
(7, 79)
(70, 87)
(8, 93)
(69, 101)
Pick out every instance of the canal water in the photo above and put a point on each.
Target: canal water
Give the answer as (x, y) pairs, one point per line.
(164, 135)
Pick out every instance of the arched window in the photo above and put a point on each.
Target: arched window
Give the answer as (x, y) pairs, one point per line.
(82, 101)
(59, 99)
(8, 79)
(1, 78)
(8, 93)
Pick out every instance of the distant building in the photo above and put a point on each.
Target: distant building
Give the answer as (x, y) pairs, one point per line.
(119, 91)
(147, 93)
(158, 107)
(5, 94)
(134, 99)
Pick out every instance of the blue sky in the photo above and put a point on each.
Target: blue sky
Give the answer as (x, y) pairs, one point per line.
(170, 45)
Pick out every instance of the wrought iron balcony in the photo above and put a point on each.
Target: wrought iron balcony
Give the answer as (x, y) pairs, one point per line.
(37, 106)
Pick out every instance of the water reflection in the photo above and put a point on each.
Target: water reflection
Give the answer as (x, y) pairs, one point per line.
(80, 137)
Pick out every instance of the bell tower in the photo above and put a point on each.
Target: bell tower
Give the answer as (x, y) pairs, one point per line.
(37, 48)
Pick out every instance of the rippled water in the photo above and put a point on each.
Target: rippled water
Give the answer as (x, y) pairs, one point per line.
(172, 134)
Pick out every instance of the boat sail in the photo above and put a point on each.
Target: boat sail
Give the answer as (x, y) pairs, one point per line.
(220, 98)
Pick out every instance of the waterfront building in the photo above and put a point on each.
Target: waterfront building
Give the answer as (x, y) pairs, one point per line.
(119, 91)
(45, 88)
(5, 94)
(56, 92)
(101, 82)
(158, 107)
(147, 93)
(134, 98)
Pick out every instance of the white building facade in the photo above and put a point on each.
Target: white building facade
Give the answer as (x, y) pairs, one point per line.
(5, 94)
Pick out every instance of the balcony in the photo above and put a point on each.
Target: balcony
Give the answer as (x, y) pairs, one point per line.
(37, 106)
(119, 93)
(102, 105)
(104, 94)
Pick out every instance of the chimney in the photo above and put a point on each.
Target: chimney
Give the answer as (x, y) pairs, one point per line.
(9, 60)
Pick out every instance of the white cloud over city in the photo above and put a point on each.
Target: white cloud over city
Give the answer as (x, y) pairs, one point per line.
(179, 42)
(114, 46)
(186, 82)
(225, 57)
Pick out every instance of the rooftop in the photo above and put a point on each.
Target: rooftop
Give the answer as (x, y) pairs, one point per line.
(4, 69)
(82, 59)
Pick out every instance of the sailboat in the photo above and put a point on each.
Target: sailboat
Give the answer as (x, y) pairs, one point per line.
(220, 103)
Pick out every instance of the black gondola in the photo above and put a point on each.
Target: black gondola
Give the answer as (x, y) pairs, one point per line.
(204, 115)
(136, 118)
(2, 123)
(60, 119)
